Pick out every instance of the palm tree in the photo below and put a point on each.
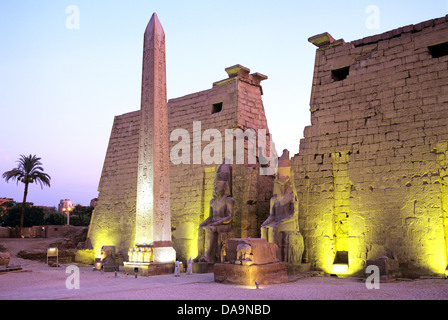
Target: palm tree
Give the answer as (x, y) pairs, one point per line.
(28, 171)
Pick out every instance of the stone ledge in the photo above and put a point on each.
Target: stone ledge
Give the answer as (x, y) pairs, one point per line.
(64, 256)
(146, 269)
(273, 273)
(294, 269)
(203, 267)
(413, 28)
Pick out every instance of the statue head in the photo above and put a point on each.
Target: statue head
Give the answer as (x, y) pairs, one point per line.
(107, 252)
(222, 180)
(282, 182)
(284, 165)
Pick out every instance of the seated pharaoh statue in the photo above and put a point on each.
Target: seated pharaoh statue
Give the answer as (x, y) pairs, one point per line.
(281, 227)
(218, 226)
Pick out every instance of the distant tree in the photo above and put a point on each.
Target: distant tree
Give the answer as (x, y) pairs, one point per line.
(5, 206)
(28, 171)
(4, 211)
(34, 216)
(55, 218)
(80, 216)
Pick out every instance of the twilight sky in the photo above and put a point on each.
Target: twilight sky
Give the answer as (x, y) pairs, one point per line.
(68, 67)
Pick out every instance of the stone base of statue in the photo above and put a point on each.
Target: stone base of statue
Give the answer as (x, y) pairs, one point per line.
(272, 273)
(111, 267)
(147, 269)
(203, 267)
(388, 267)
(250, 260)
(298, 268)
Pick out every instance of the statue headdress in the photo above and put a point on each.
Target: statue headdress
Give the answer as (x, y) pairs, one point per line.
(224, 174)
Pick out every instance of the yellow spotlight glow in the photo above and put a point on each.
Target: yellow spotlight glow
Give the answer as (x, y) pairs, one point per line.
(251, 287)
(340, 268)
(164, 254)
(97, 264)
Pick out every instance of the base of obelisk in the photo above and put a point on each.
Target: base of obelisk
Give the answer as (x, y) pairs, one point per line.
(272, 273)
(163, 252)
(147, 269)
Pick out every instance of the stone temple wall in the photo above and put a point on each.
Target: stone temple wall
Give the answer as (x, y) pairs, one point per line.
(238, 100)
(114, 213)
(371, 171)
(232, 103)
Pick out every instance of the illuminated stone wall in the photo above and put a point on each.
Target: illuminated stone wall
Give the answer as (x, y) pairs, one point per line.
(113, 220)
(234, 102)
(371, 171)
(192, 184)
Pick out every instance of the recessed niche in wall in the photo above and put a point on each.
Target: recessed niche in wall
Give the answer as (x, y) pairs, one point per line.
(340, 73)
(217, 107)
(439, 50)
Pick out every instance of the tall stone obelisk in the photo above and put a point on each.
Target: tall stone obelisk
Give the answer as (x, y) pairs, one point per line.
(153, 218)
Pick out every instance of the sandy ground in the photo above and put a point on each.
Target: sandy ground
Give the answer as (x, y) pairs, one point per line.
(37, 281)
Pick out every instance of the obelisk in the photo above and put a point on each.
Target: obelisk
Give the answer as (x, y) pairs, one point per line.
(153, 218)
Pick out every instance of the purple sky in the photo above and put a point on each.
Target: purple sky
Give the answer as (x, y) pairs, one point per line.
(68, 67)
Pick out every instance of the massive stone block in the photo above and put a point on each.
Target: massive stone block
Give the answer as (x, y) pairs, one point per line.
(273, 273)
(262, 252)
(249, 261)
(370, 170)
(240, 107)
(113, 220)
(232, 103)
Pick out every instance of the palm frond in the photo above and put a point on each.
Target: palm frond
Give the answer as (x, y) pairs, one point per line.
(29, 170)
(14, 174)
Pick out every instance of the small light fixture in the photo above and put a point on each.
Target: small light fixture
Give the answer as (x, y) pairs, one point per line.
(340, 268)
(340, 264)
(256, 284)
(97, 264)
(53, 252)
